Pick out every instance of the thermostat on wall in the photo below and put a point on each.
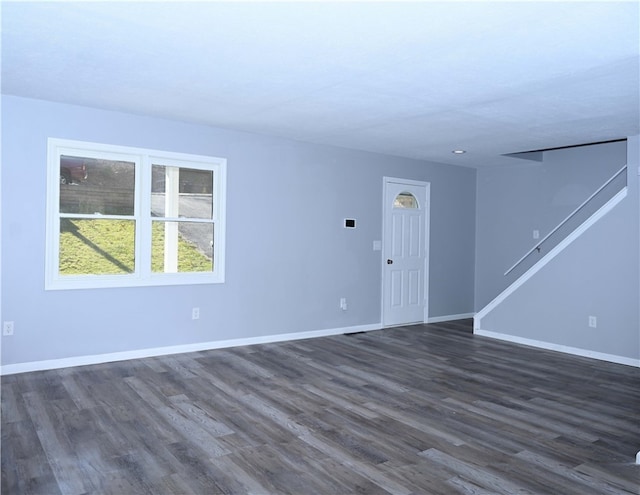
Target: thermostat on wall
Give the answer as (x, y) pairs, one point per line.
(349, 223)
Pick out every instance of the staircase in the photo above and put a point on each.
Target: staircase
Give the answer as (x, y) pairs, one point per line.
(603, 200)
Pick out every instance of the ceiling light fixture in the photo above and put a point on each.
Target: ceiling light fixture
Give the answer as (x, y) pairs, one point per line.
(458, 152)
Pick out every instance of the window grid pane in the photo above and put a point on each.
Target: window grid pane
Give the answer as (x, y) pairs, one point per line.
(107, 187)
(406, 200)
(181, 192)
(180, 247)
(96, 247)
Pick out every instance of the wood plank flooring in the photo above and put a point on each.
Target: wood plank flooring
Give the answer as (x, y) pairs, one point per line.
(426, 409)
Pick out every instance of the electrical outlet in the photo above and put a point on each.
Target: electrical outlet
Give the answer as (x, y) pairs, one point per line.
(7, 328)
(343, 303)
(195, 314)
(593, 321)
(536, 234)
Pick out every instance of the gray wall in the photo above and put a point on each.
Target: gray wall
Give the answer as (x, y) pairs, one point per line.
(288, 258)
(514, 201)
(598, 274)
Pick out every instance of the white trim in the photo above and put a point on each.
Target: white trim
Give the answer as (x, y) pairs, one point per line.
(549, 256)
(461, 316)
(559, 348)
(411, 182)
(10, 369)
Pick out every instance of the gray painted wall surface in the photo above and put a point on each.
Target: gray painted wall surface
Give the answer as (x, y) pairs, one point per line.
(514, 201)
(288, 258)
(598, 275)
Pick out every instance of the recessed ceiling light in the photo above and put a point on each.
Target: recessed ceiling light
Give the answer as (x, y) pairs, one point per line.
(458, 152)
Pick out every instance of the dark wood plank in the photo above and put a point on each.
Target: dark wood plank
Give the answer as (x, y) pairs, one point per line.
(419, 409)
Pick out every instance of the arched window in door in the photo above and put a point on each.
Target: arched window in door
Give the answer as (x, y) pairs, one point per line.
(406, 200)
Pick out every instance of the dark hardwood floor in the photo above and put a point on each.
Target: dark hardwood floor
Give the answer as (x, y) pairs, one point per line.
(426, 409)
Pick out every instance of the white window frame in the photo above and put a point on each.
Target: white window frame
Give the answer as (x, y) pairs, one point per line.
(143, 159)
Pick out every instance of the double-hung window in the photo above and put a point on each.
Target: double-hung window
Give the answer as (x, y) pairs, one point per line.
(120, 217)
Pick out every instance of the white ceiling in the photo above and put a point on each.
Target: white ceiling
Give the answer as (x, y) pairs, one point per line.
(414, 79)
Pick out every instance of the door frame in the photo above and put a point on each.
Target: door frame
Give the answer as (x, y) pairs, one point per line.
(427, 213)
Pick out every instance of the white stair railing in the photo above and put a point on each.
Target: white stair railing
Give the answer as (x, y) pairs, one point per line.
(588, 207)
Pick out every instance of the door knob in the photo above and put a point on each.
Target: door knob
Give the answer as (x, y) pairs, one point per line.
(389, 262)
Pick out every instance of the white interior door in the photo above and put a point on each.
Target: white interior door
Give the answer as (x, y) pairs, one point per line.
(405, 248)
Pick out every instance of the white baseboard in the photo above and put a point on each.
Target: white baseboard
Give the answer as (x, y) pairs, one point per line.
(51, 364)
(612, 358)
(461, 316)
